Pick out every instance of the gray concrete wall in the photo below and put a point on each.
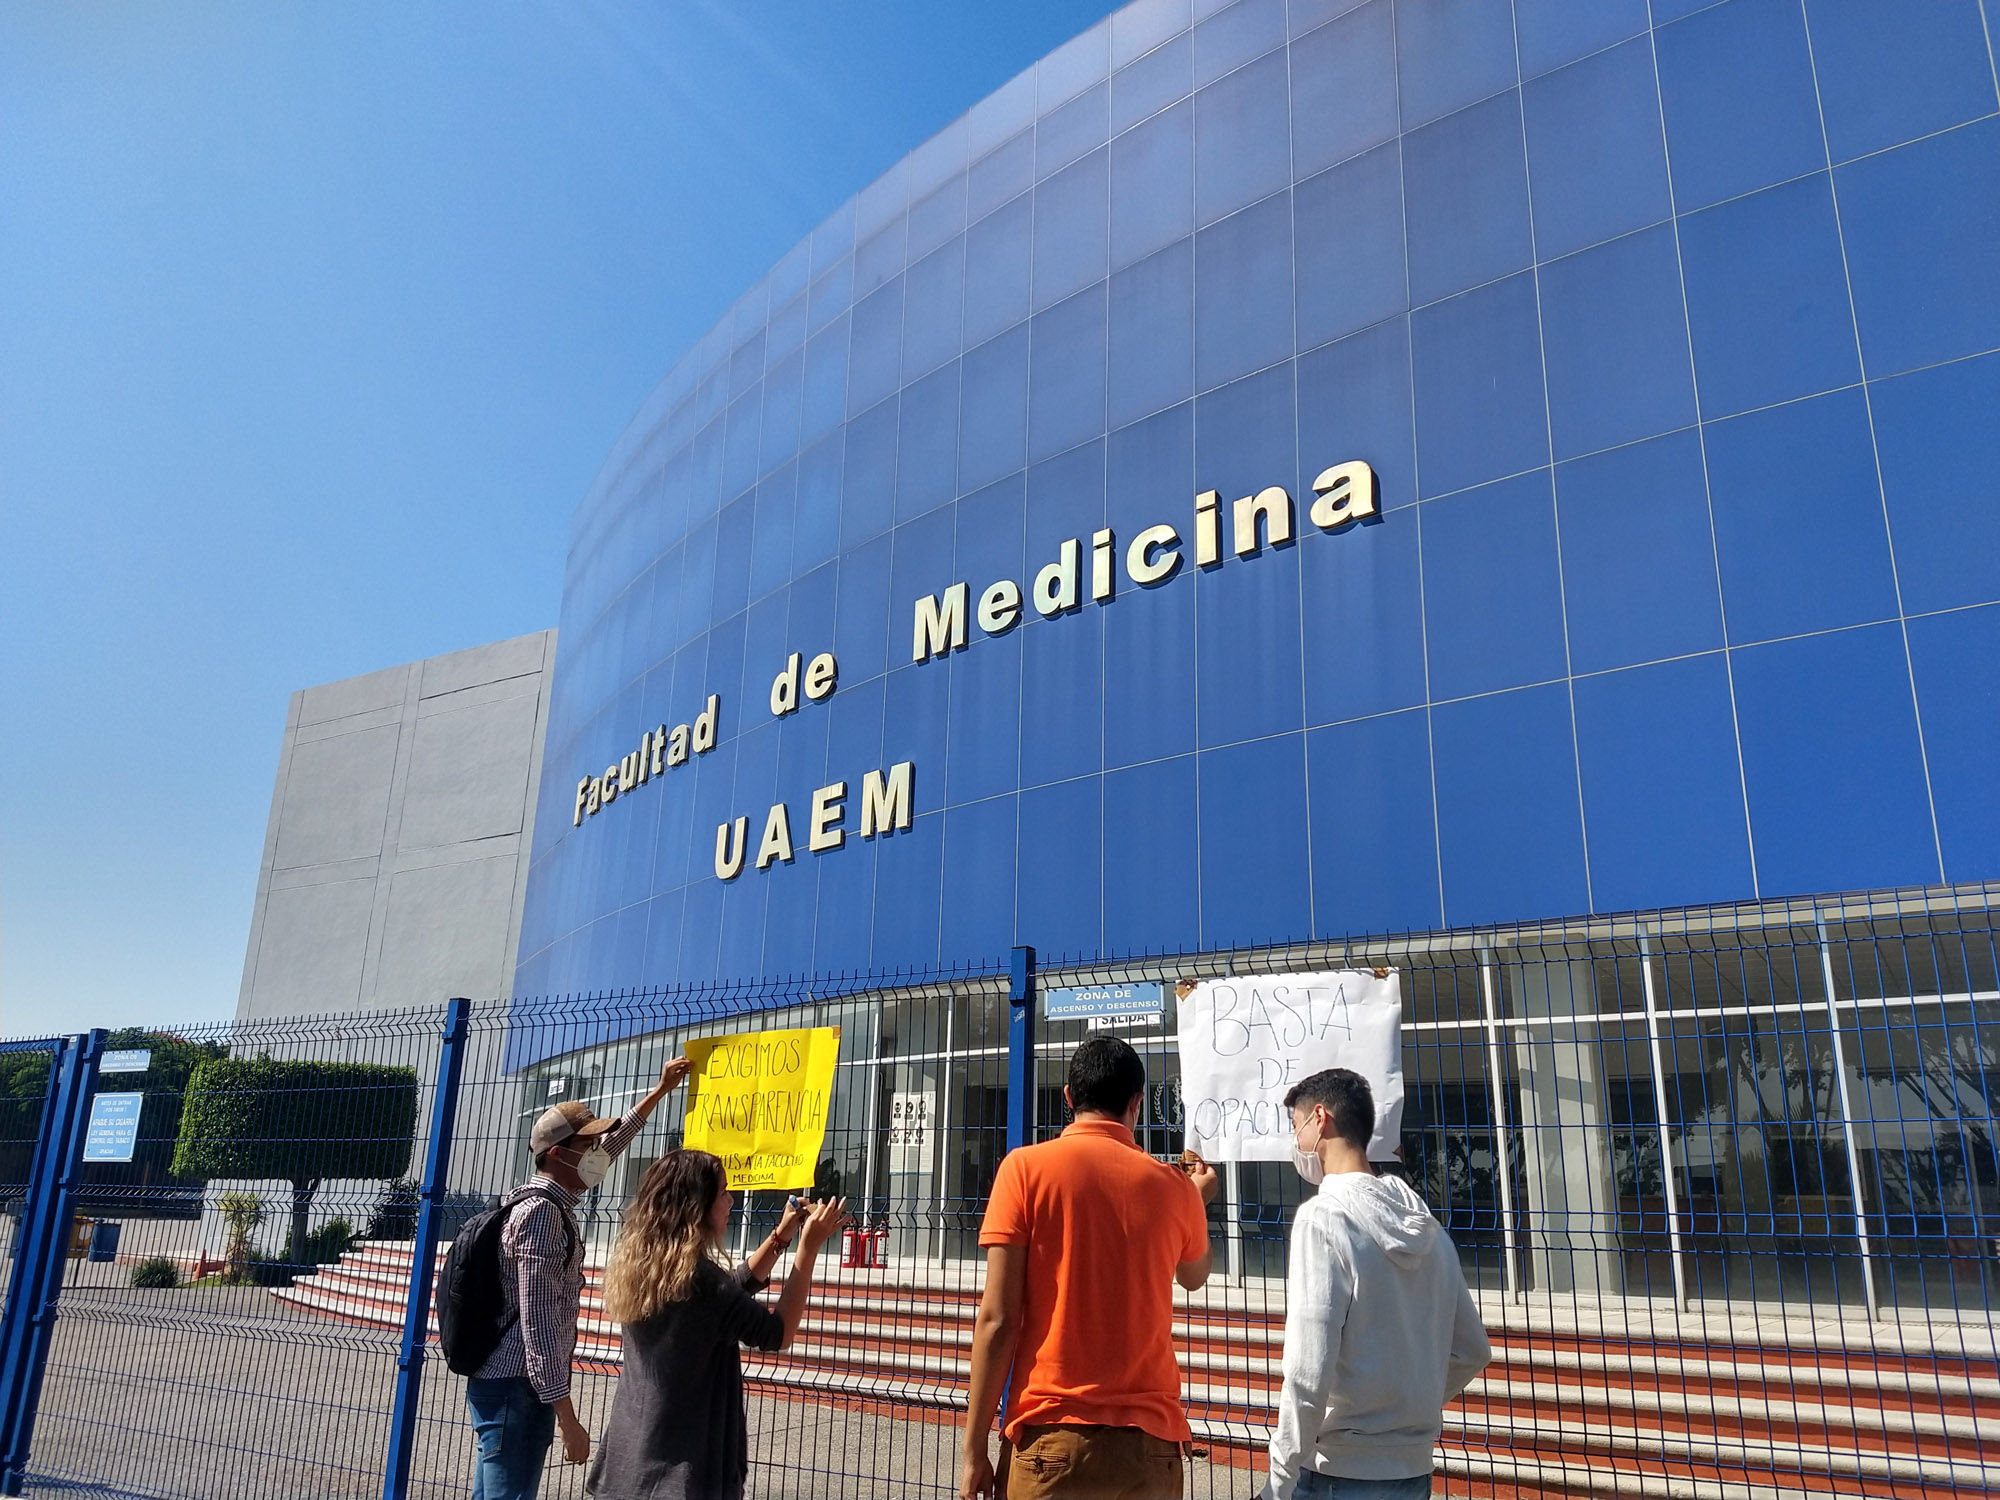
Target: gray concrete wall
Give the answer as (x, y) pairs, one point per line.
(396, 860)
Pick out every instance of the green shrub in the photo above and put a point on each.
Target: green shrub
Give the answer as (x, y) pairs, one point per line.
(242, 1213)
(262, 1270)
(304, 1121)
(394, 1216)
(156, 1271)
(323, 1245)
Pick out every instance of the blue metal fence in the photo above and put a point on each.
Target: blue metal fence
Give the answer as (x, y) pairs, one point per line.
(44, 1224)
(1727, 1184)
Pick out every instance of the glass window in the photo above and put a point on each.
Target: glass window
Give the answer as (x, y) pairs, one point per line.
(1242, 139)
(783, 396)
(993, 414)
(1160, 78)
(1139, 28)
(746, 364)
(1066, 374)
(1799, 544)
(1742, 110)
(1493, 588)
(1152, 336)
(1638, 555)
(1072, 129)
(1004, 112)
(868, 485)
(1466, 191)
(1477, 368)
(937, 217)
(771, 544)
(1614, 333)
(934, 299)
(1451, 53)
(1232, 37)
(1073, 67)
(1662, 821)
(1594, 143)
(997, 257)
(1071, 213)
(875, 355)
(832, 294)
(927, 447)
(1151, 185)
(1343, 88)
(1000, 177)
(1243, 294)
(879, 257)
(1510, 831)
(1832, 764)
(1385, 764)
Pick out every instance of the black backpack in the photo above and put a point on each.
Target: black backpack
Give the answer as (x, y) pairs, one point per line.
(472, 1312)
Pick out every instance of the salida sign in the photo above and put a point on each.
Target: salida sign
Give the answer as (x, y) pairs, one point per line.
(941, 624)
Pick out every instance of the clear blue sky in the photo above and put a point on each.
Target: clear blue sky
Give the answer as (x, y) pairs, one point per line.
(315, 324)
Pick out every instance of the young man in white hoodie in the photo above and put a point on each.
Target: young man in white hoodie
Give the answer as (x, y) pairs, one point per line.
(1380, 1330)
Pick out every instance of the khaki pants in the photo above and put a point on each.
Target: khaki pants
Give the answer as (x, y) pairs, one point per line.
(1073, 1462)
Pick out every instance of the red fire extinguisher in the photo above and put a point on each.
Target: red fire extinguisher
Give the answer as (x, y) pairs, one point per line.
(864, 1248)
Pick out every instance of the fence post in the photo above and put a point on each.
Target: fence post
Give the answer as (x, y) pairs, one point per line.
(1503, 1156)
(45, 1251)
(423, 1254)
(943, 1129)
(1847, 1125)
(19, 1274)
(1021, 1050)
(874, 1108)
(1668, 1178)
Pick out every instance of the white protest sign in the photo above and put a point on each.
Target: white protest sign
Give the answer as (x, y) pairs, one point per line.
(1245, 1042)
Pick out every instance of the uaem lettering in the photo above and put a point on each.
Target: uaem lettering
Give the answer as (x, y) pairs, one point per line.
(886, 807)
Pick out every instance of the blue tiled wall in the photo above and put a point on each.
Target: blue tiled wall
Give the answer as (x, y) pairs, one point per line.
(1673, 333)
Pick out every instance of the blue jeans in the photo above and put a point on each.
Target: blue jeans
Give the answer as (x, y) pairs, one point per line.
(1316, 1486)
(514, 1431)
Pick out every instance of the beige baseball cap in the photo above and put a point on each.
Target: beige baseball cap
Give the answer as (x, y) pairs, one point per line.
(560, 1122)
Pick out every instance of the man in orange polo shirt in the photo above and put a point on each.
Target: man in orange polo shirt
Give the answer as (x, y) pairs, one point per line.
(1084, 1237)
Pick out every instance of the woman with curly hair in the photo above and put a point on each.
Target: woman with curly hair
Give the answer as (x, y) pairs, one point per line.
(677, 1429)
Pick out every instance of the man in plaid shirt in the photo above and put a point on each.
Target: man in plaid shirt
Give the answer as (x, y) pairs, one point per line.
(520, 1397)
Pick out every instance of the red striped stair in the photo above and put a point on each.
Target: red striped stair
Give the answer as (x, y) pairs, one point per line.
(1627, 1399)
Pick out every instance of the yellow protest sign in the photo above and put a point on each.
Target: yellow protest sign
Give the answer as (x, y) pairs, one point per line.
(759, 1100)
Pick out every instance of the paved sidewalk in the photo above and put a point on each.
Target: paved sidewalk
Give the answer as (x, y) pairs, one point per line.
(227, 1392)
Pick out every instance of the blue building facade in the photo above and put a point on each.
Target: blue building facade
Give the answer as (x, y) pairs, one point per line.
(1670, 343)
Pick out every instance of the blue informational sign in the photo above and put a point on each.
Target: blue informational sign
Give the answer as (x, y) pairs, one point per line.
(114, 1127)
(135, 1060)
(1136, 1000)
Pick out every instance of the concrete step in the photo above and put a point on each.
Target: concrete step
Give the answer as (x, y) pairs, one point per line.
(1525, 1442)
(1566, 1410)
(1828, 1334)
(1664, 1382)
(1253, 1357)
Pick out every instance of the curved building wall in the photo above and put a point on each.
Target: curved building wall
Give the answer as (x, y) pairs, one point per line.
(1670, 345)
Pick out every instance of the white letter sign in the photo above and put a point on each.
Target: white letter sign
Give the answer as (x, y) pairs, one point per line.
(1246, 1042)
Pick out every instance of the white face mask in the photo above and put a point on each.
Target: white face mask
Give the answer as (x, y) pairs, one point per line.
(592, 1165)
(1307, 1160)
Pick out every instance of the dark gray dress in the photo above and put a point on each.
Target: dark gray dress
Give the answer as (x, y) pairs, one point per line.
(677, 1430)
